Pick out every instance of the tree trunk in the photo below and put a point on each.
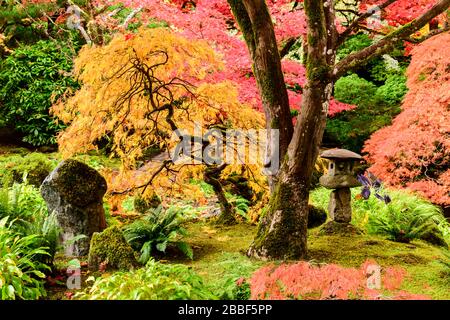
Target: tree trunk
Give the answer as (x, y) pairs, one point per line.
(283, 230)
(256, 25)
(211, 176)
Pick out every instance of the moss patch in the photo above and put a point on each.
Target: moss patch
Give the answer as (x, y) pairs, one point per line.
(418, 258)
(110, 247)
(219, 252)
(336, 228)
(36, 166)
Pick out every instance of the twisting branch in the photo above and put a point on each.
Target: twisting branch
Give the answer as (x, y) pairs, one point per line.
(355, 24)
(428, 36)
(162, 104)
(385, 44)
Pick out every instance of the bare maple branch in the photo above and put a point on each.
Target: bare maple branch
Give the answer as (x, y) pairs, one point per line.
(387, 43)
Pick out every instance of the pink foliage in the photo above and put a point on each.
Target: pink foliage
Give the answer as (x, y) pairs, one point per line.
(304, 281)
(210, 20)
(414, 152)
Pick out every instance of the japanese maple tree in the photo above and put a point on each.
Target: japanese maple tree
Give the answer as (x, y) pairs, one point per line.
(414, 152)
(140, 90)
(304, 281)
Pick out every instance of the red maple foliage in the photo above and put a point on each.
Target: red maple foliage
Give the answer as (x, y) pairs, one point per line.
(305, 281)
(402, 12)
(414, 152)
(213, 21)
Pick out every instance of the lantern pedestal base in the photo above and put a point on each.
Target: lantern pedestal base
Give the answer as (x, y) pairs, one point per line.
(336, 228)
(339, 207)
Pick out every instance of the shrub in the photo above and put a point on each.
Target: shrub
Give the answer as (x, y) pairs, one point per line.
(377, 88)
(350, 129)
(305, 281)
(156, 281)
(157, 230)
(20, 274)
(393, 90)
(353, 44)
(30, 79)
(354, 90)
(36, 166)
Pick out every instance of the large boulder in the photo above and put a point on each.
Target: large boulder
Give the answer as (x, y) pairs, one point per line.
(74, 191)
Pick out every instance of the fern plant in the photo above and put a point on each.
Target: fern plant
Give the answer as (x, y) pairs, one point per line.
(21, 273)
(27, 212)
(156, 281)
(240, 204)
(406, 224)
(157, 230)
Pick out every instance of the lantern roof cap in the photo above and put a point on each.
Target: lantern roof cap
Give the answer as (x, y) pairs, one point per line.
(340, 154)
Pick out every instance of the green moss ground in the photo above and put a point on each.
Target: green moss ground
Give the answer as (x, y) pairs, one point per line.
(219, 254)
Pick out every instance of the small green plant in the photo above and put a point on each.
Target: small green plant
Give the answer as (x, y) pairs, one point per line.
(157, 230)
(156, 281)
(240, 204)
(21, 273)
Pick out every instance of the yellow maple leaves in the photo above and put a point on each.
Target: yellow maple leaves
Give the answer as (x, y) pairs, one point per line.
(125, 88)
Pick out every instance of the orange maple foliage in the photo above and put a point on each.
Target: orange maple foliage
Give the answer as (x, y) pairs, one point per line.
(414, 152)
(115, 102)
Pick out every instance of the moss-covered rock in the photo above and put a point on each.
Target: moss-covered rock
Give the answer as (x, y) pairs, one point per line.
(35, 165)
(74, 191)
(78, 183)
(143, 205)
(110, 248)
(316, 216)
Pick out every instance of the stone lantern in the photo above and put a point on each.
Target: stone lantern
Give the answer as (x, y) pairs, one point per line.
(340, 178)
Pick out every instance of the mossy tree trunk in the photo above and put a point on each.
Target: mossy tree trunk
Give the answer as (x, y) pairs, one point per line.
(282, 233)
